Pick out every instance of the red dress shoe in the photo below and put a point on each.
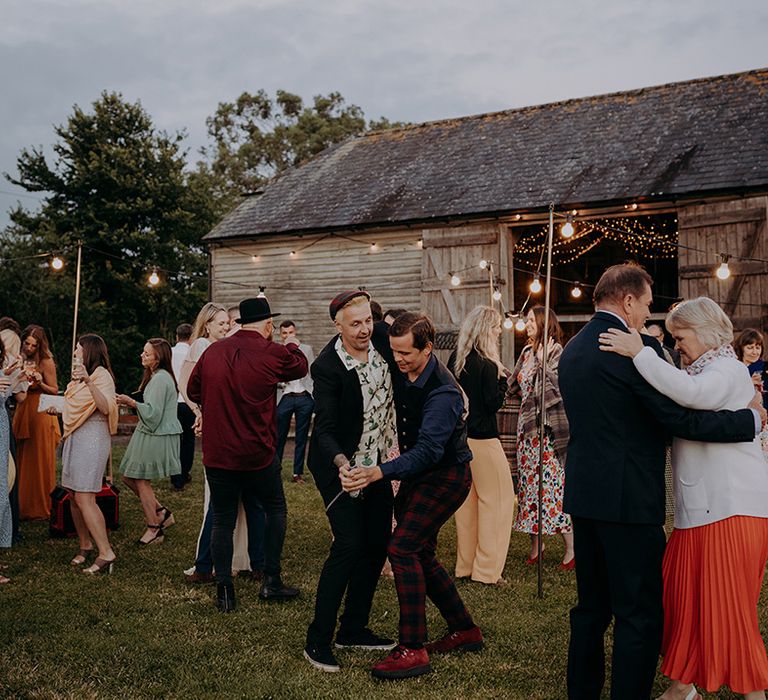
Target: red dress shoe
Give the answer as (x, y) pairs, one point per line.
(460, 640)
(568, 565)
(198, 577)
(403, 663)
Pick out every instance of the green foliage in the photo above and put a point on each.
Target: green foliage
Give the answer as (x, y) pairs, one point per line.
(118, 186)
(256, 138)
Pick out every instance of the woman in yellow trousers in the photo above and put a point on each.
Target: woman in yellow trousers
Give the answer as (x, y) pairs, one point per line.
(484, 521)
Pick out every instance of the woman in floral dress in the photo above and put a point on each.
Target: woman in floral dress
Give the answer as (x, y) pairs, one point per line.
(525, 381)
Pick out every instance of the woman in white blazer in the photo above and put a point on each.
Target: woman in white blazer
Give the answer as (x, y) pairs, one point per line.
(716, 555)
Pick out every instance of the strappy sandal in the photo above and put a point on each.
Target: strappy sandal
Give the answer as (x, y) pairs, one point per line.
(168, 518)
(157, 539)
(4, 580)
(101, 566)
(81, 557)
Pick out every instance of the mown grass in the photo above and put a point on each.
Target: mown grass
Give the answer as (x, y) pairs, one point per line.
(144, 633)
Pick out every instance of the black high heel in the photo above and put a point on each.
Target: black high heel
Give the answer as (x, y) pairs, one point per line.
(157, 539)
(100, 566)
(168, 518)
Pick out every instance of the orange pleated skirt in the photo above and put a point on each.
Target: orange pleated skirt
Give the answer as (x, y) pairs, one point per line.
(712, 580)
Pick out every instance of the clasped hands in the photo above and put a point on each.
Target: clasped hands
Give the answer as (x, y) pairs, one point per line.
(356, 478)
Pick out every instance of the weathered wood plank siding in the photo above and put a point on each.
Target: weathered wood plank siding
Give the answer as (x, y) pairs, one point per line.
(301, 287)
(736, 227)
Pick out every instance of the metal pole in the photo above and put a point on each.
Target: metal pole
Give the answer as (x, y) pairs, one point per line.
(77, 299)
(490, 283)
(542, 388)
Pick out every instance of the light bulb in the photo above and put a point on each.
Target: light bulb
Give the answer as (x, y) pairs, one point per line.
(520, 324)
(57, 263)
(254, 258)
(153, 279)
(483, 264)
(723, 271)
(508, 324)
(535, 285)
(293, 254)
(576, 291)
(419, 244)
(374, 247)
(455, 280)
(496, 295)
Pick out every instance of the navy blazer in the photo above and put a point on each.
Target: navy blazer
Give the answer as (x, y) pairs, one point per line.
(338, 407)
(619, 425)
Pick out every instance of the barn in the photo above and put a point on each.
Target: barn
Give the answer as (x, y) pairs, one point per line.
(446, 215)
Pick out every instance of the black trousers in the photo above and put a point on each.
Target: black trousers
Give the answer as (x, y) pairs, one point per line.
(228, 487)
(361, 528)
(187, 445)
(618, 575)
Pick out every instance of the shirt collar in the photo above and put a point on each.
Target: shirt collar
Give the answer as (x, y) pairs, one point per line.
(349, 361)
(421, 380)
(605, 311)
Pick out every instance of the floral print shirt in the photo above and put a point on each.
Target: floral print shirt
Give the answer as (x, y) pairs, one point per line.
(379, 429)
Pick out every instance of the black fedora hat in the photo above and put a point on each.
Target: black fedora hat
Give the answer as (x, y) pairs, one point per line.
(252, 310)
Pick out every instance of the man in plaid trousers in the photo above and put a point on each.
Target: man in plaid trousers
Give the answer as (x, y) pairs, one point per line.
(433, 467)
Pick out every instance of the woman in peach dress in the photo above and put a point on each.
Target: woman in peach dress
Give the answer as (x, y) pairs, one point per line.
(37, 434)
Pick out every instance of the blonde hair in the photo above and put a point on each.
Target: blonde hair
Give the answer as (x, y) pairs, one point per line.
(476, 332)
(354, 301)
(204, 317)
(705, 318)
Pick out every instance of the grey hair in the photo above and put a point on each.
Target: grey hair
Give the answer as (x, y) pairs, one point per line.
(705, 318)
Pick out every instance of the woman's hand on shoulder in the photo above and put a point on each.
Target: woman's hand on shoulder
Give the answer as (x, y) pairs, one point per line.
(618, 341)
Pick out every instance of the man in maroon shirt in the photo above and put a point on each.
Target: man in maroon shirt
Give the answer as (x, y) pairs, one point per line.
(235, 383)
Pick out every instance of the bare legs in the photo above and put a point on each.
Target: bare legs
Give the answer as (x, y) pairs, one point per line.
(567, 541)
(149, 504)
(682, 691)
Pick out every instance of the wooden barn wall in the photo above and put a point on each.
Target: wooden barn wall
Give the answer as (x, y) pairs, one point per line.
(459, 249)
(735, 227)
(301, 288)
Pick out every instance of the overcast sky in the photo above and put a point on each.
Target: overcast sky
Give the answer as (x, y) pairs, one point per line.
(412, 60)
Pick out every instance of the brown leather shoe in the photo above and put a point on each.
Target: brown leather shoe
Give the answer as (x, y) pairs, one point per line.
(403, 663)
(198, 577)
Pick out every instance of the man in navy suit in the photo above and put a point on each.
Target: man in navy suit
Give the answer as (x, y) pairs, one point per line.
(614, 490)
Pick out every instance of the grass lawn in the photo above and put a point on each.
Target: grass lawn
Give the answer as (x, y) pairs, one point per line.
(144, 633)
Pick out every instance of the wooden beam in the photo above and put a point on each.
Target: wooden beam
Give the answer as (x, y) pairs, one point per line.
(438, 285)
(741, 269)
(455, 236)
(736, 216)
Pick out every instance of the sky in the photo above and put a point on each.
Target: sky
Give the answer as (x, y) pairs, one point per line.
(408, 60)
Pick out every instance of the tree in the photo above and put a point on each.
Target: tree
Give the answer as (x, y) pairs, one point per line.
(118, 186)
(256, 138)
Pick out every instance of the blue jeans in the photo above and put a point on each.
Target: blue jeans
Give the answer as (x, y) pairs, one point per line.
(302, 405)
(256, 520)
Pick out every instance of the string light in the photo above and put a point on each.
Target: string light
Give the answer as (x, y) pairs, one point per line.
(57, 263)
(293, 254)
(496, 295)
(254, 258)
(374, 247)
(535, 285)
(420, 244)
(567, 229)
(483, 264)
(261, 294)
(508, 325)
(455, 280)
(520, 324)
(576, 291)
(723, 272)
(154, 278)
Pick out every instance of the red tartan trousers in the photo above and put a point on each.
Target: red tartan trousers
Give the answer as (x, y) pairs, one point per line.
(422, 507)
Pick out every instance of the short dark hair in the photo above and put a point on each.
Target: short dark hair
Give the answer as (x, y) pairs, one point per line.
(287, 324)
(8, 324)
(420, 325)
(394, 313)
(376, 313)
(184, 331)
(619, 280)
(747, 337)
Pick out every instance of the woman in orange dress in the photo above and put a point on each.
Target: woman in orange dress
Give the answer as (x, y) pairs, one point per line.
(36, 433)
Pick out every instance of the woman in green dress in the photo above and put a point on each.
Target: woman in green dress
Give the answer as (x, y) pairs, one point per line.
(153, 452)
